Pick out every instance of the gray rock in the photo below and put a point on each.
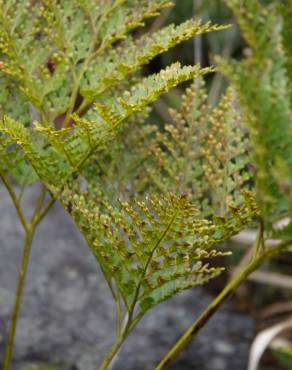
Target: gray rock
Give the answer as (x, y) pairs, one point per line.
(68, 316)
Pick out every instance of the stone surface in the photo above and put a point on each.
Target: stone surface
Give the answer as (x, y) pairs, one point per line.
(68, 316)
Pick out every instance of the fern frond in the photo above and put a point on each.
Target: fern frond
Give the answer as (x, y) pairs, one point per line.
(203, 153)
(108, 70)
(27, 54)
(148, 249)
(149, 90)
(154, 248)
(54, 51)
(46, 46)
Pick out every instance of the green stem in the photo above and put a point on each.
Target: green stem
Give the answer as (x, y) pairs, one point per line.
(127, 329)
(42, 214)
(18, 297)
(112, 353)
(14, 199)
(217, 303)
(30, 232)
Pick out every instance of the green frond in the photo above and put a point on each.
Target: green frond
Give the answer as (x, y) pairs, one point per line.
(256, 23)
(154, 248)
(108, 70)
(149, 90)
(46, 52)
(203, 153)
(80, 142)
(27, 56)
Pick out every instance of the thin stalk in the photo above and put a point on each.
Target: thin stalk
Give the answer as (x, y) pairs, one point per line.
(30, 232)
(14, 199)
(113, 352)
(41, 215)
(18, 298)
(39, 202)
(217, 303)
(119, 310)
(129, 326)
